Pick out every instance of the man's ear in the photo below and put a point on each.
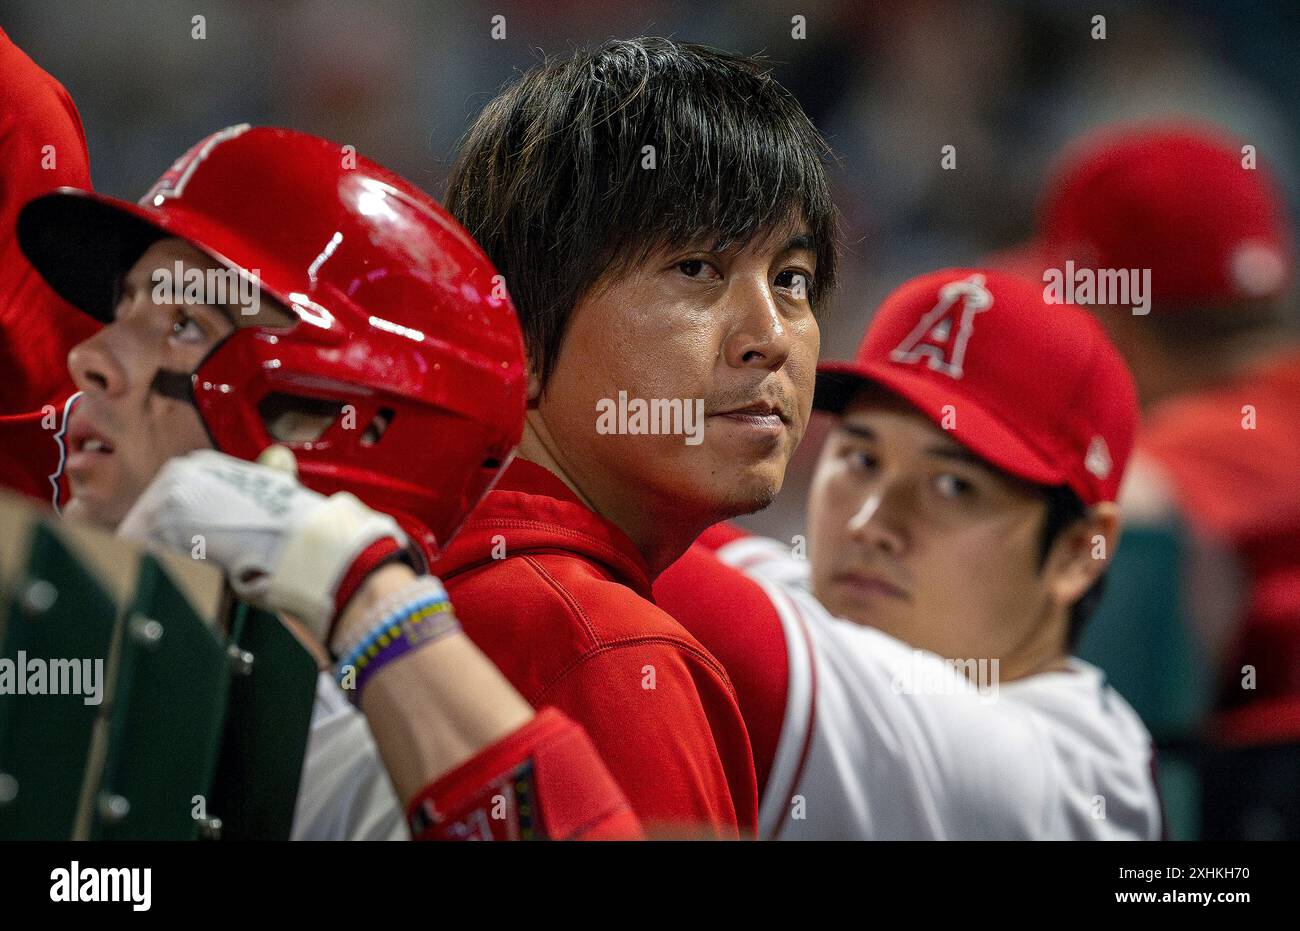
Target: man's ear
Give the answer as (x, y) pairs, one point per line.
(534, 387)
(1082, 552)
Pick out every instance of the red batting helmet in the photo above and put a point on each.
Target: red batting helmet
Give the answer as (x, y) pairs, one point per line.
(403, 326)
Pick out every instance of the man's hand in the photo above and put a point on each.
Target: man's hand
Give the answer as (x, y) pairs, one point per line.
(283, 546)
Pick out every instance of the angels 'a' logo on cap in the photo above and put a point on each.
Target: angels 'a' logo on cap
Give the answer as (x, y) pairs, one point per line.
(1097, 460)
(941, 335)
(172, 183)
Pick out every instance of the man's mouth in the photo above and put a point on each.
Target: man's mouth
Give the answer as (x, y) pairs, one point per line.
(869, 584)
(86, 447)
(762, 414)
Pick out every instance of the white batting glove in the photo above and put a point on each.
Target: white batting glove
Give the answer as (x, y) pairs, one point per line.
(282, 546)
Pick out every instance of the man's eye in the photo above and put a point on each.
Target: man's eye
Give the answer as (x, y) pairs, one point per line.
(860, 461)
(795, 281)
(186, 329)
(691, 268)
(952, 486)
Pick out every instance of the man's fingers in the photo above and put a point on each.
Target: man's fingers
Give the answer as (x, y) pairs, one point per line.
(280, 458)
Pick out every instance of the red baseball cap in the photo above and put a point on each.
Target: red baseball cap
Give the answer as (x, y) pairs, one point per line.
(1035, 389)
(1179, 199)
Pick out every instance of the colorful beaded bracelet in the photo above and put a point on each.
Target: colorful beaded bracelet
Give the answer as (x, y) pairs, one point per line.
(423, 614)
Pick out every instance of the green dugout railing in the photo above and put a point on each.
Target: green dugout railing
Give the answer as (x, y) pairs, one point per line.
(137, 701)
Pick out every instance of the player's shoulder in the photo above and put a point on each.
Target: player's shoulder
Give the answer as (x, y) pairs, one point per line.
(571, 589)
(39, 104)
(766, 558)
(931, 753)
(1228, 450)
(542, 615)
(1261, 399)
(33, 452)
(1084, 709)
(1099, 753)
(701, 584)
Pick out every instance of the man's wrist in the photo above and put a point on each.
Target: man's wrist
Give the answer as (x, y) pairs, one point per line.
(400, 622)
(380, 584)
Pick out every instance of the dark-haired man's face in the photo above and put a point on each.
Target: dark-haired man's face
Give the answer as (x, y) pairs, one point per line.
(909, 533)
(684, 385)
(121, 432)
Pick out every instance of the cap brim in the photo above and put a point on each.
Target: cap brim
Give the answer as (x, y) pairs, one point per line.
(969, 423)
(81, 243)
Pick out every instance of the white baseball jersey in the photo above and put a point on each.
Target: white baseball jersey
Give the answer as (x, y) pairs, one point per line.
(883, 741)
(345, 792)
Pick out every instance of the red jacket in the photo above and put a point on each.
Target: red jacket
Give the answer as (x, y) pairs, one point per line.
(42, 146)
(560, 600)
(1236, 480)
(32, 453)
(735, 620)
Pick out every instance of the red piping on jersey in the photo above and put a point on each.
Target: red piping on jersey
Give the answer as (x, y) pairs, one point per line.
(812, 716)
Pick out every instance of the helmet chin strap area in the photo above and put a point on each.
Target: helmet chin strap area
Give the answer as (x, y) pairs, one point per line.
(179, 386)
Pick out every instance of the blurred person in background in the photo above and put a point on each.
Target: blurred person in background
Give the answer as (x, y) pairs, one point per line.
(1216, 360)
(42, 147)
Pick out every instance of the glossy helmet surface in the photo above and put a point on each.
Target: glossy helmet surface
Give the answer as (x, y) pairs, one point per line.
(404, 328)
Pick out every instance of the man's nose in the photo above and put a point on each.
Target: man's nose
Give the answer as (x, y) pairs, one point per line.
(760, 338)
(95, 367)
(880, 521)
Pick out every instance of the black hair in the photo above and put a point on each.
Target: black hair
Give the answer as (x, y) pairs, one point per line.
(1064, 509)
(1186, 328)
(550, 178)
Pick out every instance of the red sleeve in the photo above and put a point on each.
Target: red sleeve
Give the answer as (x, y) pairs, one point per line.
(1232, 481)
(42, 147)
(32, 453)
(719, 535)
(731, 615)
(666, 724)
(544, 781)
(1213, 482)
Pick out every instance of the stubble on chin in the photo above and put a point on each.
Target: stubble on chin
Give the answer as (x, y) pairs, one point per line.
(738, 501)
